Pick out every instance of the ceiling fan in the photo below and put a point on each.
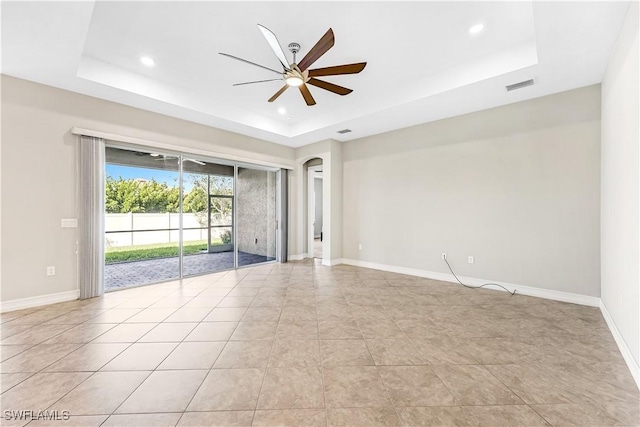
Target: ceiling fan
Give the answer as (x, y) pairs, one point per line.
(298, 74)
(165, 157)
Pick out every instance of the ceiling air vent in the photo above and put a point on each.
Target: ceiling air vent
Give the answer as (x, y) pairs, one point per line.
(519, 85)
(344, 131)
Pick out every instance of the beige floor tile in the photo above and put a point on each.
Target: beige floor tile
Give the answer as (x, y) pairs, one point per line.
(245, 354)
(212, 331)
(290, 418)
(394, 352)
(8, 381)
(101, 393)
(379, 328)
(72, 421)
(338, 329)
(115, 315)
(82, 333)
(169, 332)
(534, 385)
(449, 416)
(292, 388)
(228, 390)
(363, 417)
(236, 302)
(164, 391)
(89, 357)
(171, 302)
(9, 329)
(295, 353)
(130, 332)
(41, 390)
(140, 357)
(36, 334)
(217, 419)
(504, 416)
(226, 315)
(138, 302)
(146, 420)
(37, 358)
(201, 301)
(297, 330)
(247, 331)
(355, 387)
(151, 315)
(8, 351)
(475, 385)
(193, 355)
(571, 414)
(443, 351)
(187, 314)
(345, 353)
(262, 314)
(415, 386)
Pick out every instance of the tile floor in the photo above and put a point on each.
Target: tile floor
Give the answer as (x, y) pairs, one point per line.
(302, 344)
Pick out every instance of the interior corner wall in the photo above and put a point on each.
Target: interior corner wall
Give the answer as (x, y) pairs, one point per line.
(621, 187)
(38, 174)
(517, 187)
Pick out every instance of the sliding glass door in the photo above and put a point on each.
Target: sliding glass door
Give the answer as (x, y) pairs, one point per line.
(171, 215)
(142, 218)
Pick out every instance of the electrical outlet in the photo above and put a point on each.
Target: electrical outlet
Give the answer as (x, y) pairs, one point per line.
(360, 246)
(51, 270)
(470, 260)
(444, 255)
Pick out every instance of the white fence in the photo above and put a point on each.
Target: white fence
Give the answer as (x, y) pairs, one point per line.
(125, 223)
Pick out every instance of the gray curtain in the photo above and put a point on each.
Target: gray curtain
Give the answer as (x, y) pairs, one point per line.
(91, 218)
(283, 217)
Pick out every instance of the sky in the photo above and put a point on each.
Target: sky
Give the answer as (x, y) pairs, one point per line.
(128, 172)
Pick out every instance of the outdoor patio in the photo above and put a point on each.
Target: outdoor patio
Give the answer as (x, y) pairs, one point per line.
(124, 274)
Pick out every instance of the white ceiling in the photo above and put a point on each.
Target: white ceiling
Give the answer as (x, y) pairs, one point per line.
(423, 64)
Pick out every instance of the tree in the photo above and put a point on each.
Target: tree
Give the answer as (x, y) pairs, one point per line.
(139, 196)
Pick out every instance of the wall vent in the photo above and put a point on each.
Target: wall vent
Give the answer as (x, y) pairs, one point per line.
(344, 131)
(519, 85)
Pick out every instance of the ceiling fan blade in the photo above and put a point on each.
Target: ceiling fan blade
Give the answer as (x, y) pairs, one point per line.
(257, 81)
(197, 162)
(338, 70)
(320, 48)
(304, 90)
(249, 62)
(330, 87)
(278, 93)
(275, 45)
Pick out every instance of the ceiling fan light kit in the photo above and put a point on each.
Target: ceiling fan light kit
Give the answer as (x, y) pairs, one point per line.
(298, 74)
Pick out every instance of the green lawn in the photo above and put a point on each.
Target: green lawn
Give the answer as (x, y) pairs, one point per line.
(158, 250)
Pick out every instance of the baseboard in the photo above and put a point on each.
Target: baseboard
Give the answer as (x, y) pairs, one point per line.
(19, 304)
(523, 290)
(332, 262)
(622, 345)
(298, 257)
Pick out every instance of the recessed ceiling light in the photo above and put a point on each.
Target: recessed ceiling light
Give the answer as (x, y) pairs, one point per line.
(154, 155)
(281, 110)
(475, 29)
(148, 61)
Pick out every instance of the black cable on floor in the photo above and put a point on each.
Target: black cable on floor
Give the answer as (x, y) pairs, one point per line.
(477, 287)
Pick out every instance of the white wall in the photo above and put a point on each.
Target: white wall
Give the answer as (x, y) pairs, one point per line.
(39, 173)
(620, 189)
(517, 187)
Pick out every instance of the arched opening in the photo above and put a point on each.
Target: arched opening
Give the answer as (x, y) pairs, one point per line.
(315, 224)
